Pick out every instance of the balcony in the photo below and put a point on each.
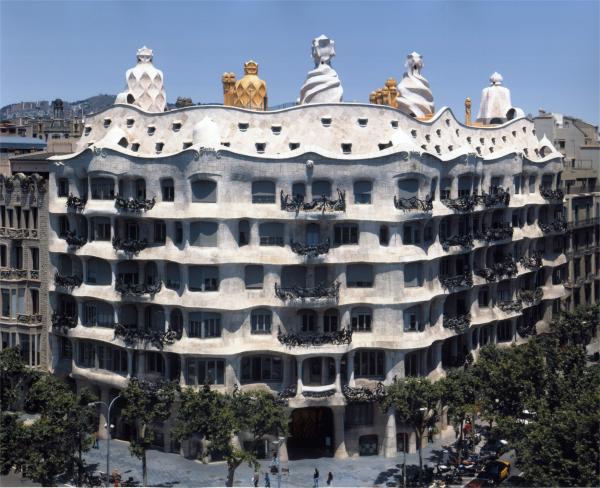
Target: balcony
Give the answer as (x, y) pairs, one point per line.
(321, 204)
(509, 306)
(133, 204)
(74, 240)
(462, 280)
(413, 203)
(497, 232)
(507, 268)
(67, 281)
(13, 274)
(575, 224)
(138, 289)
(129, 246)
(557, 225)
(76, 203)
(459, 323)
(552, 195)
(530, 297)
(35, 318)
(498, 197)
(464, 240)
(462, 204)
(304, 295)
(337, 338)
(63, 322)
(133, 336)
(310, 250)
(572, 189)
(364, 394)
(18, 233)
(532, 263)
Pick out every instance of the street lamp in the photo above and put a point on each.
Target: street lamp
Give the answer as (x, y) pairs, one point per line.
(278, 443)
(108, 426)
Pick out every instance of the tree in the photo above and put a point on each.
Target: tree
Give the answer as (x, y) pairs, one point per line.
(146, 403)
(417, 403)
(14, 374)
(218, 418)
(577, 327)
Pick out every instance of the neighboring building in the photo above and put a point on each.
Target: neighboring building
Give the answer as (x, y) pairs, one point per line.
(579, 143)
(312, 251)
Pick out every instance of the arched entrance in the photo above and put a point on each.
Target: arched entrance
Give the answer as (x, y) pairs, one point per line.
(311, 433)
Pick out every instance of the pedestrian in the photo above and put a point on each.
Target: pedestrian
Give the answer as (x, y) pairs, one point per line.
(316, 479)
(267, 480)
(430, 434)
(95, 439)
(329, 479)
(255, 478)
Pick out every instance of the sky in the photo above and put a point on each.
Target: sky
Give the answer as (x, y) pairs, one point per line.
(547, 51)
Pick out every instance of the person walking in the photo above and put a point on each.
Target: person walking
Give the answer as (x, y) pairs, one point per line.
(95, 439)
(329, 479)
(267, 480)
(316, 478)
(255, 478)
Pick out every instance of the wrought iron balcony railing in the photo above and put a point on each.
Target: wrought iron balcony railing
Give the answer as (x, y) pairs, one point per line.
(76, 203)
(462, 204)
(574, 224)
(497, 232)
(63, 322)
(550, 194)
(336, 338)
(459, 323)
(530, 297)
(67, 281)
(137, 289)
(288, 392)
(497, 197)
(73, 240)
(310, 250)
(533, 262)
(557, 225)
(450, 282)
(134, 204)
(414, 203)
(463, 240)
(318, 394)
(510, 305)
(364, 394)
(320, 204)
(331, 291)
(13, 274)
(130, 246)
(19, 233)
(506, 268)
(132, 336)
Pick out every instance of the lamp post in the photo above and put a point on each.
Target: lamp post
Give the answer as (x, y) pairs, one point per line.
(108, 426)
(278, 442)
(404, 463)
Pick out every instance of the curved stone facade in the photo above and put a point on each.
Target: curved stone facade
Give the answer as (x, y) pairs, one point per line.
(379, 247)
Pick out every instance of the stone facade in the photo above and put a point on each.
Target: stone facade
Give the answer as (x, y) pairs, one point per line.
(314, 251)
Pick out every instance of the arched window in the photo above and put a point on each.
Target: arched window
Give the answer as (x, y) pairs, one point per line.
(369, 363)
(261, 321)
(331, 320)
(362, 191)
(97, 313)
(243, 233)
(271, 234)
(308, 320)
(313, 234)
(140, 189)
(359, 276)
(413, 319)
(154, 318)
(173, 278)
(321, 188)
(263, 191)
(151, 272)
(204, 191)
(299, 191)
(408, 188)
(98, 272)
(203, 234)
(176, 321)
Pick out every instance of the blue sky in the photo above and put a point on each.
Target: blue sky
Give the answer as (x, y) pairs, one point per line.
(547, 51)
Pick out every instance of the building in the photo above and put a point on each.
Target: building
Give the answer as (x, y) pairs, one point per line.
(578, 142)
(313, 251)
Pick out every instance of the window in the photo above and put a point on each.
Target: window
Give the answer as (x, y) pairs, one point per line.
(203, 234)
(26, 219)
(263, 191)
(203, 278)
(205, 324)
(299, 191)
(362, 192)
(260, 321)
(412, 320)
(63, 187)
(167, 187)
(413, 277)
(243, 233)
(261, 368)
(359, 414)
(98, 272)
(35, 258)
(173, 281)
(504, 331)
(345, 234)
(308, 320)
(103, 189)
(271, 234)
(17, 257)
(483, 297)
(63, 225)
(9, 213)
(408, 188)
(178, 232)
(384, 235)
(34, 294)
(445, 188)
(369, 364)
(204, 191)
(203, 371)
(160, 232)
(100, 229)
(313, 234)
(532, 183)
(361, 319)
(411, 234)
(34, 216)
(5, 302)
(359, 276)
(331, 320)
(253, 277)
(411, 364)
(86, 356)
(465, 185)
(321, 188)
(3, 249)
(154, 363)
(517, 184)
(96, 313)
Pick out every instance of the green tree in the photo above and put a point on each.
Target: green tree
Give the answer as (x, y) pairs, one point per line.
(14, 375)
(12, 442)
(577, 327)
(146, 403)
(417, 403)
(218, 418)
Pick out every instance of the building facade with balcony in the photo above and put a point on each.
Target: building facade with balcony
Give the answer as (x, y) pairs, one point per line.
(313, 251)
(579, 143)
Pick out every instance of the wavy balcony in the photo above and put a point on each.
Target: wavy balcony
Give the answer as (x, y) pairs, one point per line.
(310, 250)
(137, 289)
(63, 322)
(76, 203)
(557, 225)
(466, 203)
(321, 204)
(336, 338)
(509, 306)
(507, 268)
(497, 197)
(67, 281)
(364, 394)
(530, 297)
(464, 240)
(73, 240)
(305, 295)
(413, 203)
(460, 323)
(133, 204)
(498, 232)
(533, 262)
(552, 195)
(457, 281)
(129, 246)
(132, 336)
